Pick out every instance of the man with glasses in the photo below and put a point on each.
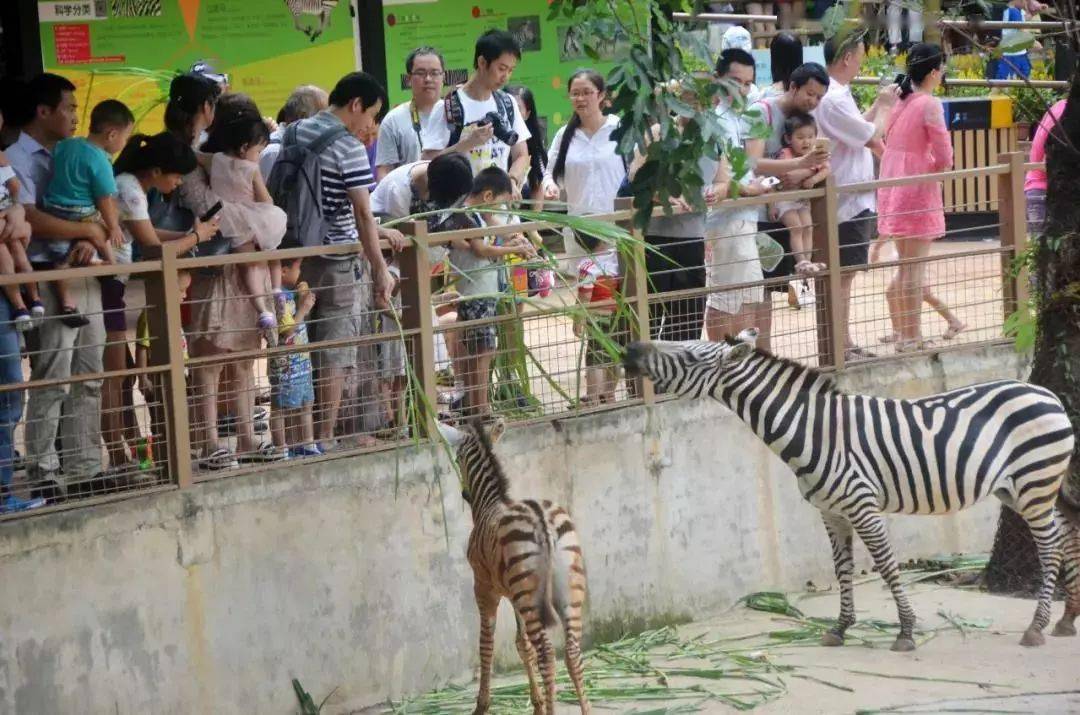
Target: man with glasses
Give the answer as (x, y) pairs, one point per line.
(399, 134)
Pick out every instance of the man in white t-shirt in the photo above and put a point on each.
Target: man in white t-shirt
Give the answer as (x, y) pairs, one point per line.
(472, 132)
(856, 137)
(399, 132)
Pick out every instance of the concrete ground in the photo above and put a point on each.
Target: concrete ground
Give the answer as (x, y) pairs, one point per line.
(971, 663)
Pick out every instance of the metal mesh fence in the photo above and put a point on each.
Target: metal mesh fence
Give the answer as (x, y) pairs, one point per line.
(471, 331)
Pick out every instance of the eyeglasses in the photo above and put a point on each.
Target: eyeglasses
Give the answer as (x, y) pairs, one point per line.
(583, 95)
(433, 74)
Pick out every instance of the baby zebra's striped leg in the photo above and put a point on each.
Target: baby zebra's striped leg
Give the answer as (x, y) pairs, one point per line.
(528, 657)
(545, 655)
(1047, 540)
(488, 604)
(839, 530)
(573, 666)
(870, 526)
(1070, 548)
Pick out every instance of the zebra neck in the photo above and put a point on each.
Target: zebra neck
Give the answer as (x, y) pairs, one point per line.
(488, 489)
(781, 402)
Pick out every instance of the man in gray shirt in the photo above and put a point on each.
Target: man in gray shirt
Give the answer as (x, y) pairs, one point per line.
(399, 134)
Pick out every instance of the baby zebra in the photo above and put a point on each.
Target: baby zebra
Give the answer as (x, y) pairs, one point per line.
(857, 457)
(526, 551)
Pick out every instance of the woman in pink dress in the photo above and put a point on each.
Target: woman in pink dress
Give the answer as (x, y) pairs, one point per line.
(916, 142)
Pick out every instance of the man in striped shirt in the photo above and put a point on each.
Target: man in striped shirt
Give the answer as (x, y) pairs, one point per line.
(343, 284)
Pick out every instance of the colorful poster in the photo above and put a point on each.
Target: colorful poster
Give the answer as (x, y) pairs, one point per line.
(128, 49)
(552, 50)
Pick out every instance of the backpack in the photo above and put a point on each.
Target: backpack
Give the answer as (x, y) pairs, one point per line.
(295, 184)
(455, 112)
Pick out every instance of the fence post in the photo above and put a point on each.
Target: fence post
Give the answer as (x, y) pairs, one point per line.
(166, 348)
(637, 294)
(1012, 207)
(416, 313)
(830, 325)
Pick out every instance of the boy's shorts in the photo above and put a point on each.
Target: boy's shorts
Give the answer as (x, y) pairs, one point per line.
(57, 251)
(478, 338)
(291, 392)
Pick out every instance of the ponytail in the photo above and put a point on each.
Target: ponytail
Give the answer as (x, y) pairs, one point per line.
(165, 152)
(559, 169)
(922, 59)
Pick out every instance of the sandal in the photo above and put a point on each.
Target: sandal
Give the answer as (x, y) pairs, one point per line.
(856, 353)
(954, 330)
(910, 346)
(265, 452)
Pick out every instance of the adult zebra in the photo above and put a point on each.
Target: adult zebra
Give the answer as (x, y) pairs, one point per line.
(322, 8)
(858, 457)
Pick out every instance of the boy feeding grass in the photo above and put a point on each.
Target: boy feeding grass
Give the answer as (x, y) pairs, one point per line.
(477, 262)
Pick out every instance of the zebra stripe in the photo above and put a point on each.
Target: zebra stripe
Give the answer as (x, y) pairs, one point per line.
(526, 551)
(857, 457)
(136, 8)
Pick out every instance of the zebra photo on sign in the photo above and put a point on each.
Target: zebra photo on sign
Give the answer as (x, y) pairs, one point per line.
(135, 8)
(857, 458)
(319, 8)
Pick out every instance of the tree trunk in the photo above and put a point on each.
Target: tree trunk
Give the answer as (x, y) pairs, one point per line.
(1056, 364)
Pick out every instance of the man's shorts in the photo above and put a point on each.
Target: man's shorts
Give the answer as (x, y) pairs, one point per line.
(478, 338)
(336, 284)
(855, 237)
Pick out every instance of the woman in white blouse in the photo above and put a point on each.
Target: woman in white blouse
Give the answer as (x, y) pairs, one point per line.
(583, 159)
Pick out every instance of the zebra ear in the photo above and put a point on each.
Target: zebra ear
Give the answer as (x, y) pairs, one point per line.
(739, 352)
(452, 435)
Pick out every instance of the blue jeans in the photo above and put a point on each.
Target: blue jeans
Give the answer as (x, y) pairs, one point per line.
(11, 403)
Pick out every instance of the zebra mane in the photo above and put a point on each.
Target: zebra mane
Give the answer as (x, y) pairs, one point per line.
(814, 375)
(487, 453)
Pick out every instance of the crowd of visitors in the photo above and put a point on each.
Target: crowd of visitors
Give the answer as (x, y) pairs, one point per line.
(221, 179)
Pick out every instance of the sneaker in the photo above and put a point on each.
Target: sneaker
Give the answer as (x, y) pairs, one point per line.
(308, 450)
(450, 397)
(22, 320)
(72, 318)
(47, 485)
(11, 503)
(219, 459)
(37, 310)
(265, 452)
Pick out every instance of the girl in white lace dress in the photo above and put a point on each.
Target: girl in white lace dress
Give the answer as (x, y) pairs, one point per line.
(253, 221)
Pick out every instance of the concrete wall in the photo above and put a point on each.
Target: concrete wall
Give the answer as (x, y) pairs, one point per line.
(351, 574)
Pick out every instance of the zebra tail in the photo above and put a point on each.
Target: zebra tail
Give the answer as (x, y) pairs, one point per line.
(546, 579)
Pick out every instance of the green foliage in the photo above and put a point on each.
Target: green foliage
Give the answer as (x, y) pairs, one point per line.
(664, 83)
(307, 705)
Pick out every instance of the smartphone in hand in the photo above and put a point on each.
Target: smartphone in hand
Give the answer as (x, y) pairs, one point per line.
(211, 212)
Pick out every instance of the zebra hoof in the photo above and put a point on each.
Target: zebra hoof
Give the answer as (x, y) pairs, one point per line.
(903, 645)
(828, 638)
(1064, 629)
(1033, 637)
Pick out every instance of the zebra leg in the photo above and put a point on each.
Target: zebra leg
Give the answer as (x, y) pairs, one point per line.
(870, 526)
(839, 530)
(1044, 529)
(528, 657)
(545, 654)
(1070, 548)
(573, 666)
(488, 604)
